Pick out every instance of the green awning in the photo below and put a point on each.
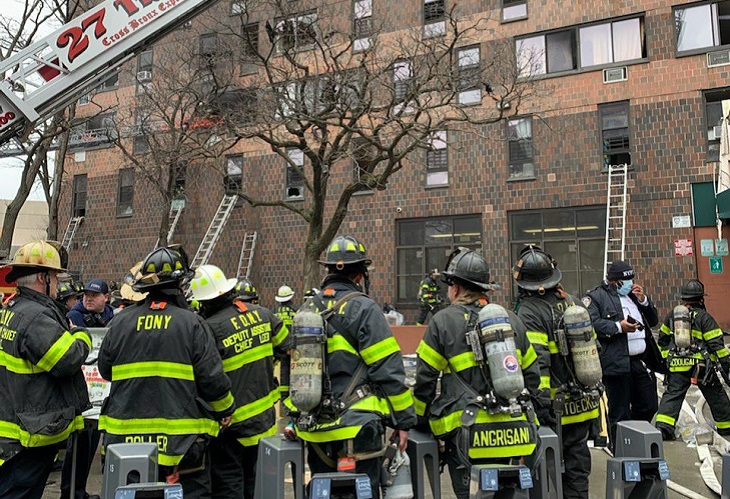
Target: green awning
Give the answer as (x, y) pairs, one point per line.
(723, 204)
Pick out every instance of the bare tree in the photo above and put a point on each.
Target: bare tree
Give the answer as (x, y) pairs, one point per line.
(358, 104)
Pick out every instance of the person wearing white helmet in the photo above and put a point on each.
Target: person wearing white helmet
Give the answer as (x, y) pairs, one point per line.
(286, 309)
(250, 338)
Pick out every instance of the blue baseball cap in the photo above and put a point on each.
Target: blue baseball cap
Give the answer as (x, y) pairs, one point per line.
(96, 286)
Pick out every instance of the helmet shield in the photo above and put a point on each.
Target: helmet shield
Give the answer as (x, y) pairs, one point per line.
(345, 250)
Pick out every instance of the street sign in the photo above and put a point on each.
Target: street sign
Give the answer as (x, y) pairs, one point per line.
(715, 265)
(683, 247)
(681, 221)
(707, 247)
(721, 247)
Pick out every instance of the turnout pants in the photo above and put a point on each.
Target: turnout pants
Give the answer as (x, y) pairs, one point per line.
(194, 472)
(232, 468)
(671, 404)
(425, 309)
(24, 475)
(577, 458)
(87, 443)
(461, 474)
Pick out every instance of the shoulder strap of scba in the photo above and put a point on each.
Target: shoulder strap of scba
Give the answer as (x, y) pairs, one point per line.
(328, 313)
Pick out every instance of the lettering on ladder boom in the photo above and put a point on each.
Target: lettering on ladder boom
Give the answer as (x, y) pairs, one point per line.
(153, 322)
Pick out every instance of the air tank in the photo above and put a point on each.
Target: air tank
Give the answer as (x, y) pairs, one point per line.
(582, 345)
(682, 327)
(307, 360)
(498, 339)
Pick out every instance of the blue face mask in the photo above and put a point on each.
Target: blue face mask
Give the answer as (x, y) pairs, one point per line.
(625, 288)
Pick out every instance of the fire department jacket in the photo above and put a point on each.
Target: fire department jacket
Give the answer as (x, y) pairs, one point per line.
(249, 338)
(359, 334)
(428, 291)
(42, 388)
(444, 350)
(541, 314)
(706, 334)
(604, 305)
(168, 384)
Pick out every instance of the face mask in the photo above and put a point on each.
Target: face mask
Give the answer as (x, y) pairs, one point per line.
(625, 288)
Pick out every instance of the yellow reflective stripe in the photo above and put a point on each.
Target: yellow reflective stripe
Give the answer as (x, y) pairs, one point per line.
(696, 333)
(339, 343)
(450, 422)
(57, 350)
(463, 361)
(256, 407)
(319, 437)
(431, 356)
(544, 383)
(222, 404)
(401, 402)
(663, 418)
(2, 461)
(528, 358)
(380, 350)
(665, 329)
(371, 404)
(247, 357)
(723, 352)
(664, 352)
(579, 418)
(16, 365)
(714, 333)
(504, 451)
(554, 348)
(254, 439)
(26, 439)
(420, 406)
(283, 388)
(164, 426)
(280, 336)
(537, 338)
(152, 368)
(83, 336)
(722, 424)
(169, 460)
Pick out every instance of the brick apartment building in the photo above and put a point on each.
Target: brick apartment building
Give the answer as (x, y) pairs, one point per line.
(635, 81)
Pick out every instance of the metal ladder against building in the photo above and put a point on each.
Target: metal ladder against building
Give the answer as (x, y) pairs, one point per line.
(215, 228)
(616, 201)
(176, 210)
(245, 261)
(68, 236)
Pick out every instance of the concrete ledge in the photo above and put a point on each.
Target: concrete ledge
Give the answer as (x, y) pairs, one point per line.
(408, 337)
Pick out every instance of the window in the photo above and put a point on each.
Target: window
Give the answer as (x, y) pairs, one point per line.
(78, 196)
(294, 178)
(434, 16)
(600, 44)
(573, 236)
(402, 75)
(519, 138)
(249, 48)
(180, 172)
(233, 181)
(514, 9)
(362, 158)
(125, 193)
(296, 33)
(144, 70)
(615, 133)
(470, 91)
(97, 131)
(424, 244)
(702, 26)
(235, 106)
(238, 8)
(437, 159)
(362, 24)
(715, 100)
(110, 83)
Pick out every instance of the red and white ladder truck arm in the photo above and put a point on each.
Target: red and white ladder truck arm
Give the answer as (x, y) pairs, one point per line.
(50, 74)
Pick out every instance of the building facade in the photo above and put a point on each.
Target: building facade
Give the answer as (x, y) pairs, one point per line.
(636, 82)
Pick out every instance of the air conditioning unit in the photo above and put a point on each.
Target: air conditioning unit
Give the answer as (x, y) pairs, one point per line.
(719, 58)
(715, 133)
(144, 88)
(143, 76)
(238, 8)
(612, 75)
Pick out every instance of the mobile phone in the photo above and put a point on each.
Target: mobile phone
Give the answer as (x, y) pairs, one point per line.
(631, 320)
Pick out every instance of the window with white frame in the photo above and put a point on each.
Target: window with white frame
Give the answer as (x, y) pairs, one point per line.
(600, 44)
(296, 32)
(514, 9)
(615, 133)
(233, 180)
(125, 193)
(717, 105)
(362, 159)
(469, 60)
(145, 66)
(362, 24)
(402, 75)
(294, 178)
(78, 196)
(437, 159)
(702, 26)
(434, 18)
(521, 154)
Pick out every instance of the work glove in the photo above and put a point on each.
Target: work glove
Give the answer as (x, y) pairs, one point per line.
(546, 416)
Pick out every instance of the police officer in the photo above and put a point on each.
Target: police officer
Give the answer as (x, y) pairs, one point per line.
(249, 337)
(428, 295)
(246, 291)
(168, 384)
(622, 315)
(696, 361)
(286, 308)
(444, 352)
(363, 359)
(42, 389)
(541, 304)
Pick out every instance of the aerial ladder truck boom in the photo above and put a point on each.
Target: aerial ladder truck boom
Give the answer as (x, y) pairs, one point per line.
(53, 72)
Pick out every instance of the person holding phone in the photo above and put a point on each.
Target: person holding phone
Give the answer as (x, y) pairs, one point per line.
(623, 316)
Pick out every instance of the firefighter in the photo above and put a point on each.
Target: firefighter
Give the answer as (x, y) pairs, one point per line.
(286, 308)
(693, 363)
(42, 388)
(623, 315)
(168, 384)
(541, 304)
(249, 338)
(246, 291)
(444, 352)
(364, 366)
(67, 294)
(429, 296)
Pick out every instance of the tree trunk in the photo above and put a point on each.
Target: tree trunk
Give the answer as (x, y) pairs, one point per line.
(311, 271)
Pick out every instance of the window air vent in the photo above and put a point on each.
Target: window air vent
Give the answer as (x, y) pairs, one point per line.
(719, 58)
(612, 75)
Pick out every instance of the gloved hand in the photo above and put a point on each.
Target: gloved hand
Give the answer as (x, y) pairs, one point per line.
(546, 416)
